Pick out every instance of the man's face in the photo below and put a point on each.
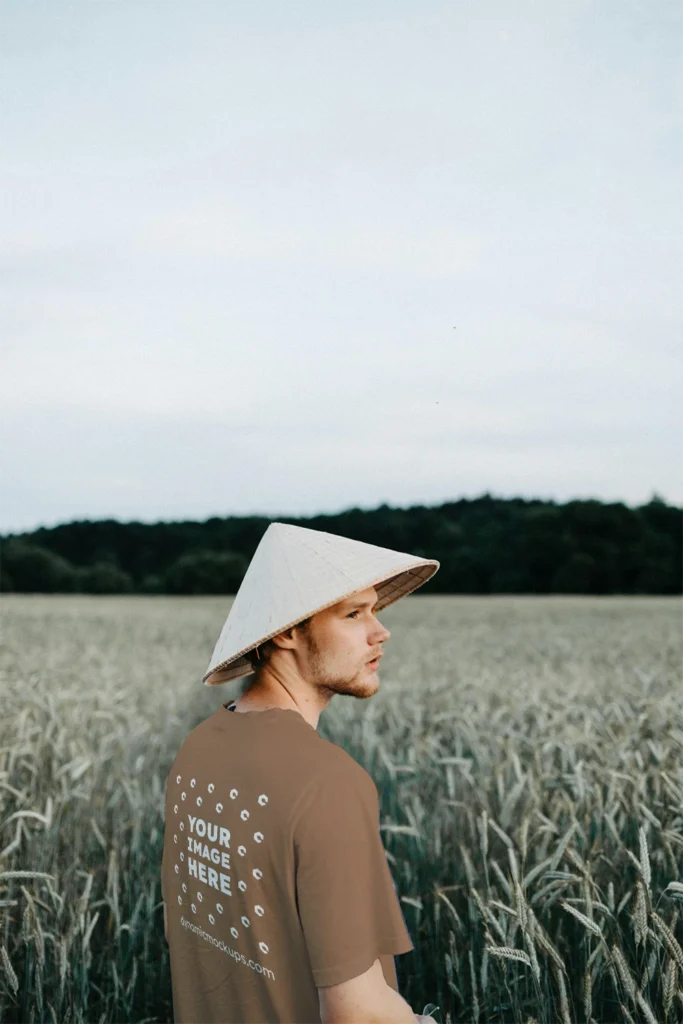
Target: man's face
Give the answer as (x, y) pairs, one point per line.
(338, 645)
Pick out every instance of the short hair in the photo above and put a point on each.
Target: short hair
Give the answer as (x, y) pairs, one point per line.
(268, 647)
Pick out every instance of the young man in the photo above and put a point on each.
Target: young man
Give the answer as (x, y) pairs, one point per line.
(279, 904)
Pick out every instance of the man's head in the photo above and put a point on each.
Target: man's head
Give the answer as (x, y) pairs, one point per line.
(328, 653)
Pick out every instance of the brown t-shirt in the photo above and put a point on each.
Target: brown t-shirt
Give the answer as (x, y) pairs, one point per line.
(273, 871)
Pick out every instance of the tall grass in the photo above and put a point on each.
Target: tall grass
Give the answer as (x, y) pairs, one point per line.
(529, 758)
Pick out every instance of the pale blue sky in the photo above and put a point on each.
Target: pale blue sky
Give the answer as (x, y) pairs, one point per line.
(236, 238)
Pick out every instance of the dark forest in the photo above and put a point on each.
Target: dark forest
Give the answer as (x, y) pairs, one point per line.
(485, 545)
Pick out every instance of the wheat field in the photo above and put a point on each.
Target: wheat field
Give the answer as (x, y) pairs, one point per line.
(528, 753)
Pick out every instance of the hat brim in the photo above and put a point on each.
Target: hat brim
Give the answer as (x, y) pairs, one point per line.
(391, 587)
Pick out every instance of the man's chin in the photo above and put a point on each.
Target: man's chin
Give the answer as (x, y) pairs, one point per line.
(368, 685)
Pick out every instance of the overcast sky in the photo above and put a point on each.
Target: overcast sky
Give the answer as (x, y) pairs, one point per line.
(292, 257)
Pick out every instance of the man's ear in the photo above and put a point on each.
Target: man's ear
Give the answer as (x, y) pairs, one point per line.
(281, 639)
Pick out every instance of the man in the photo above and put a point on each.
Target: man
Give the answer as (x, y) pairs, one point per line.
(279, 904)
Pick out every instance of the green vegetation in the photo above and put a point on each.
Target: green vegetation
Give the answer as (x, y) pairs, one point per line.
(528, 754)
(485, 545)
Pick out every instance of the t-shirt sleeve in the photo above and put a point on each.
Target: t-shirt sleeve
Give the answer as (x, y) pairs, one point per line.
(346, 897)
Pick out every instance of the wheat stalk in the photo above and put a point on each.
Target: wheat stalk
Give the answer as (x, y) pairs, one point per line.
(8, 969)
(475, 998)
(520, 906)
(507, 952)
(627, 1016)
(676, 892)
(564, 1005)
(669, 938)
(669, 984)
(639, 915)
(644, 857)
(529, 943)
(586, 921)
(587, 994)
(645, 1007)
(627, 979)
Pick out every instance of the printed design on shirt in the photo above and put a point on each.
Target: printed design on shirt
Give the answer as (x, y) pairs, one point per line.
(204, 869)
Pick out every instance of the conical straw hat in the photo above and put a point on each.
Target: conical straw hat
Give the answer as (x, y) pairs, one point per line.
(296, 572)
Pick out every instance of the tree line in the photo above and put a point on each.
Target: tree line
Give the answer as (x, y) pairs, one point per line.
(485, 545)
